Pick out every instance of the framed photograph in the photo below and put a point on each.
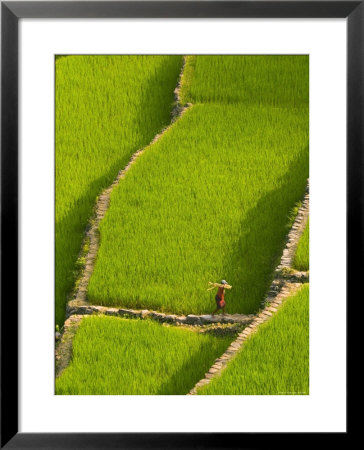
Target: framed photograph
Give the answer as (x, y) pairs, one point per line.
(181, 221)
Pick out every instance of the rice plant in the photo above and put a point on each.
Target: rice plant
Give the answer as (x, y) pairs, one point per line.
(107, 107)
(113, 356)
(275, 360)
(301, 259)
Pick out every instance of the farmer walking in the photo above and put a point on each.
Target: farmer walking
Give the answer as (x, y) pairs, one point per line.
(220, 297)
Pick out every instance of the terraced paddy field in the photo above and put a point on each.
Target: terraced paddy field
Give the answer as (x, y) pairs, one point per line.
(113, 356)
(301, 260)
(275, 360)
(107, 107)
(212, 198)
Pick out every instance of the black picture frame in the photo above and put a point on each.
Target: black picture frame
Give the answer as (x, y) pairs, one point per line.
(11, 12)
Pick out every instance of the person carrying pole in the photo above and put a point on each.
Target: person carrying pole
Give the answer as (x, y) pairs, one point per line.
(220, 296)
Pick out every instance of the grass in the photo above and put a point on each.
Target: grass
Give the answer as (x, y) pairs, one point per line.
(113, 356)
(107, 107)
(301, 259)
(275, 360)
(209, 201)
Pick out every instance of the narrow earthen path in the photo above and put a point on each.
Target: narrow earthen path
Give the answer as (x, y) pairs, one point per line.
(286, 283)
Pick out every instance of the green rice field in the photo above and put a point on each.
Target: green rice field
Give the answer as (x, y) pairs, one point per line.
(275, 360)
(113, 356)
(107, 107)
(212, 198)
(301, 259)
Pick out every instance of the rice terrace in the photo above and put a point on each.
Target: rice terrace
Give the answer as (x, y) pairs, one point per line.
(182, 225)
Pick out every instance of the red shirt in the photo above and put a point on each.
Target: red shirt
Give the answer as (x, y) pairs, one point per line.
(220, 292)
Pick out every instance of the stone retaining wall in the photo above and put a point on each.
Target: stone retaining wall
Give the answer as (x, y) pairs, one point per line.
(64, 344)
(295, 233)
(190, 319)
